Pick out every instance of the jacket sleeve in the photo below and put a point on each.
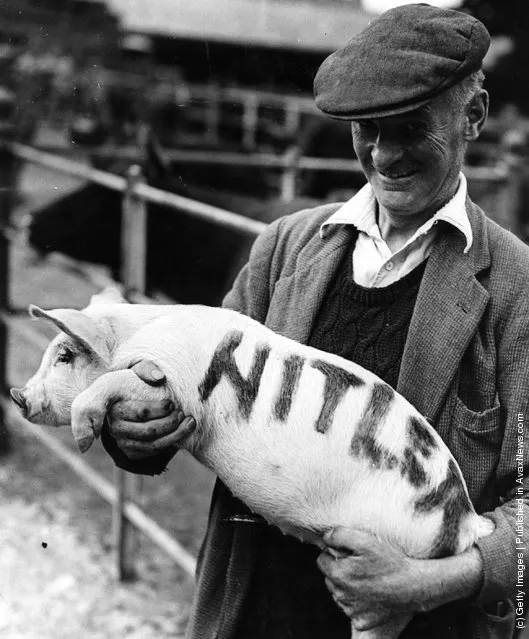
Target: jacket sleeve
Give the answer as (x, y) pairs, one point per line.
(503, 551)
(252, 289)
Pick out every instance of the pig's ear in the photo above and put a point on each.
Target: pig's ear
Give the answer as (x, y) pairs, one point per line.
(108, 295)
(79, 327)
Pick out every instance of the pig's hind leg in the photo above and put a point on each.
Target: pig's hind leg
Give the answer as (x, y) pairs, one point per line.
(390, 630)
(89, 409)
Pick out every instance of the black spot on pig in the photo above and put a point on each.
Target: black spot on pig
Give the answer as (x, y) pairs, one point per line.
(292, 367)
(421, 438)
(223, 364)
(337, 382)
(364, 441)
(451, 496)
(412, 469)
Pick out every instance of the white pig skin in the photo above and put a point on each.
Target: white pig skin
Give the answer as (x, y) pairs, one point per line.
(306, 439)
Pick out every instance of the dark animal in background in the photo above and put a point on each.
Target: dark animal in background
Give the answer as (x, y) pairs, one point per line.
(331, 139)
(188, 259)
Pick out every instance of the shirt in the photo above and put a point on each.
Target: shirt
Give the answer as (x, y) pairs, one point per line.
(374, 265)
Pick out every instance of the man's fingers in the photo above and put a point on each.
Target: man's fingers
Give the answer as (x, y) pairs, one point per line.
(148, 431)
(133, 447)
(141, 411)
(348, 540)
(373, 619)
(326, 563)
(364, 613)
(149, 372)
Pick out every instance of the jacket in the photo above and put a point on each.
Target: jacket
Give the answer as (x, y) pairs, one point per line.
(465, 367)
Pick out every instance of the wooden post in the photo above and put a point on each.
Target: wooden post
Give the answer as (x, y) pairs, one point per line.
(511, 200)
(212, 120)
(289, 176)
(250, 120)
(292, 119)
(7, 188)
(134, 265)
(134, 235)
(512, 195)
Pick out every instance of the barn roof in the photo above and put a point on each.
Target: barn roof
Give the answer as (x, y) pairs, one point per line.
(288, 24)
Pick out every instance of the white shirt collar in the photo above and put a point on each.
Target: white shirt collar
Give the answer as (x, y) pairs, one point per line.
(360, 211)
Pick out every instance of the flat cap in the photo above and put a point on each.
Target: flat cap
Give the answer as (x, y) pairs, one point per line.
(400, 61)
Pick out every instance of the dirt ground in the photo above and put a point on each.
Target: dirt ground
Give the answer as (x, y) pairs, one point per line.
(57, 578)
(57, 564)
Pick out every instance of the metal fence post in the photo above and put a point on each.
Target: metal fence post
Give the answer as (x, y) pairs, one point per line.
(7, 189)
(134, 262)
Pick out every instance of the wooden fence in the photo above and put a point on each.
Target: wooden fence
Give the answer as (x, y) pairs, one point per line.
(127, 514)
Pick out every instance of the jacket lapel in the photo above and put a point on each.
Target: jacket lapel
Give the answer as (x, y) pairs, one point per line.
(298, 298)
(449, 307)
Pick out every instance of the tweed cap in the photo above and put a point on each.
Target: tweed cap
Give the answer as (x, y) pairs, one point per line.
(400, 61)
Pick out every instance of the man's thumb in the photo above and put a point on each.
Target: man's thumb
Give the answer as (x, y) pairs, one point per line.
(149, 372)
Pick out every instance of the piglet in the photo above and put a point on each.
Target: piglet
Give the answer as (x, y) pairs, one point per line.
(301, 436)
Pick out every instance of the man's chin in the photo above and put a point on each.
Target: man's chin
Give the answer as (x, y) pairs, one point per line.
(394, 200)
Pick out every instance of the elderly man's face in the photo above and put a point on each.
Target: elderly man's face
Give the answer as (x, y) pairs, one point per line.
(412, 160)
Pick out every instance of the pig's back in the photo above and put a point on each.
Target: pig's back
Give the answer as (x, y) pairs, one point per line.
(308, 440)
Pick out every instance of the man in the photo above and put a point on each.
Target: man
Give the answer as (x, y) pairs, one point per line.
(412, 281)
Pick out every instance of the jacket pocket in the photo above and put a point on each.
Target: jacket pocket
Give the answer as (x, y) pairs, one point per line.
(484, 427)
(475, 442)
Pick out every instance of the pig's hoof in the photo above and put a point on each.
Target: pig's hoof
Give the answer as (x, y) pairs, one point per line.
(84, 443)
(86, 424)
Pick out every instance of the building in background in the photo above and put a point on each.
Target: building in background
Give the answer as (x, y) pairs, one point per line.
(81, 27)
(266, 44)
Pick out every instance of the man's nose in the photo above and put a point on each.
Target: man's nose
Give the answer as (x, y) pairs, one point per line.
(386, 152)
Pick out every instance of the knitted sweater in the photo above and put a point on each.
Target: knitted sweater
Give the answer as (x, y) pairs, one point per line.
(287, 597)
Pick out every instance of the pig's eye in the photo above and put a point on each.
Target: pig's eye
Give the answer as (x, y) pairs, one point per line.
(64, 356)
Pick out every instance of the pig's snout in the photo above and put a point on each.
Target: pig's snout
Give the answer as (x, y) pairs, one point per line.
(17, 395)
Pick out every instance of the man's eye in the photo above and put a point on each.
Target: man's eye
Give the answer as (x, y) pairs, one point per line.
(411, 127)
(64, 356)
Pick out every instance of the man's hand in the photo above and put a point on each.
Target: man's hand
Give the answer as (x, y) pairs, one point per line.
(143, 429)
(372, 581)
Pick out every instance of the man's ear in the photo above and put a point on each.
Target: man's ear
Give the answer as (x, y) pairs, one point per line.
(477, 112)
(79, 327)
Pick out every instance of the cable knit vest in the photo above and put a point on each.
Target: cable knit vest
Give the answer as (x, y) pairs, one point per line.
(287, 596)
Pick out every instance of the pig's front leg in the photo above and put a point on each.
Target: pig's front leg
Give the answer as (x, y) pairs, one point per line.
(91, 406)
